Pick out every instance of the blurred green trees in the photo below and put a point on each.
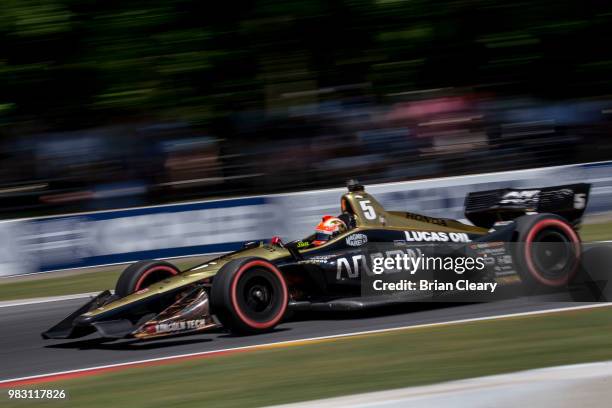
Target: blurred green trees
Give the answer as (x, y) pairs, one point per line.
(71, 63)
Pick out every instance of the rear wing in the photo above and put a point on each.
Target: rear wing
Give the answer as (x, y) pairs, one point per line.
(485, 208)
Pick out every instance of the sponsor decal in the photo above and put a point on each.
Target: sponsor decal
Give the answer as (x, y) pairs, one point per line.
(302, 244)
(523, 197)
(179, 326)
(356, 240)
(483, 245)
(319, 259)
(424, 218)
(352, 267)
(433, 236)
(343, 264)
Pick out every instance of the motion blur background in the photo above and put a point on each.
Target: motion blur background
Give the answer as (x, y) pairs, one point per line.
(123, 103)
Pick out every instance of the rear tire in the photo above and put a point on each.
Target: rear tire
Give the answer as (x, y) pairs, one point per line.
(143, 274)
(547, 251)
(249, 296)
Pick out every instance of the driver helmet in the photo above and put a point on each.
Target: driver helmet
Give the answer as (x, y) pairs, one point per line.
(328, 228)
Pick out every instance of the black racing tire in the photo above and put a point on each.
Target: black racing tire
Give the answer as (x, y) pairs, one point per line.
(249, 296)
(547, 250)
(141, 275)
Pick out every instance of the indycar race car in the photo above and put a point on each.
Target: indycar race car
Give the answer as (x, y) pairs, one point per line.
(251, 290)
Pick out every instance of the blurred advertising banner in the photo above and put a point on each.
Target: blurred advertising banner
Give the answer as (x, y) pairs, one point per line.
(92, 239)
(101, 238)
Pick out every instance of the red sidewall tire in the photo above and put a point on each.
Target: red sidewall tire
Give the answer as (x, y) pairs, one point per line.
(234, 295)
(225, 295)
(142, 274)
(528, 228)
(574, 239)
(141, 284)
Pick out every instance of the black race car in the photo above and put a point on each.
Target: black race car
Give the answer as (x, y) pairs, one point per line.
(526, 236)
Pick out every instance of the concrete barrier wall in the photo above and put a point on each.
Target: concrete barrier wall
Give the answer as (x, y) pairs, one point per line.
(91, 239)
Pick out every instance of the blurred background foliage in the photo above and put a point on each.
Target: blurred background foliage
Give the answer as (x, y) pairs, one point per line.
(75, 63)
(120, 103)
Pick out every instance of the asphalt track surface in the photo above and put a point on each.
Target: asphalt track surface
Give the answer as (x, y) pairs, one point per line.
(24, 353)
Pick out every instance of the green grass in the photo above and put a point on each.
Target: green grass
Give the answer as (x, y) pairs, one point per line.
(83, 282)
(350, 365)
(596, 232)
(65, 285)
(97, 281)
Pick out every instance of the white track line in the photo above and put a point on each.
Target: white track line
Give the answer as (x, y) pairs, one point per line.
(313, 339)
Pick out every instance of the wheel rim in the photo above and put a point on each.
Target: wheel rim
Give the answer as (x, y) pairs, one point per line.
(258, 295)
(552, 254)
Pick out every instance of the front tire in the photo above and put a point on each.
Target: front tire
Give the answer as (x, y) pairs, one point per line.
(143, 274)
(547, 251)
(249, 296)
